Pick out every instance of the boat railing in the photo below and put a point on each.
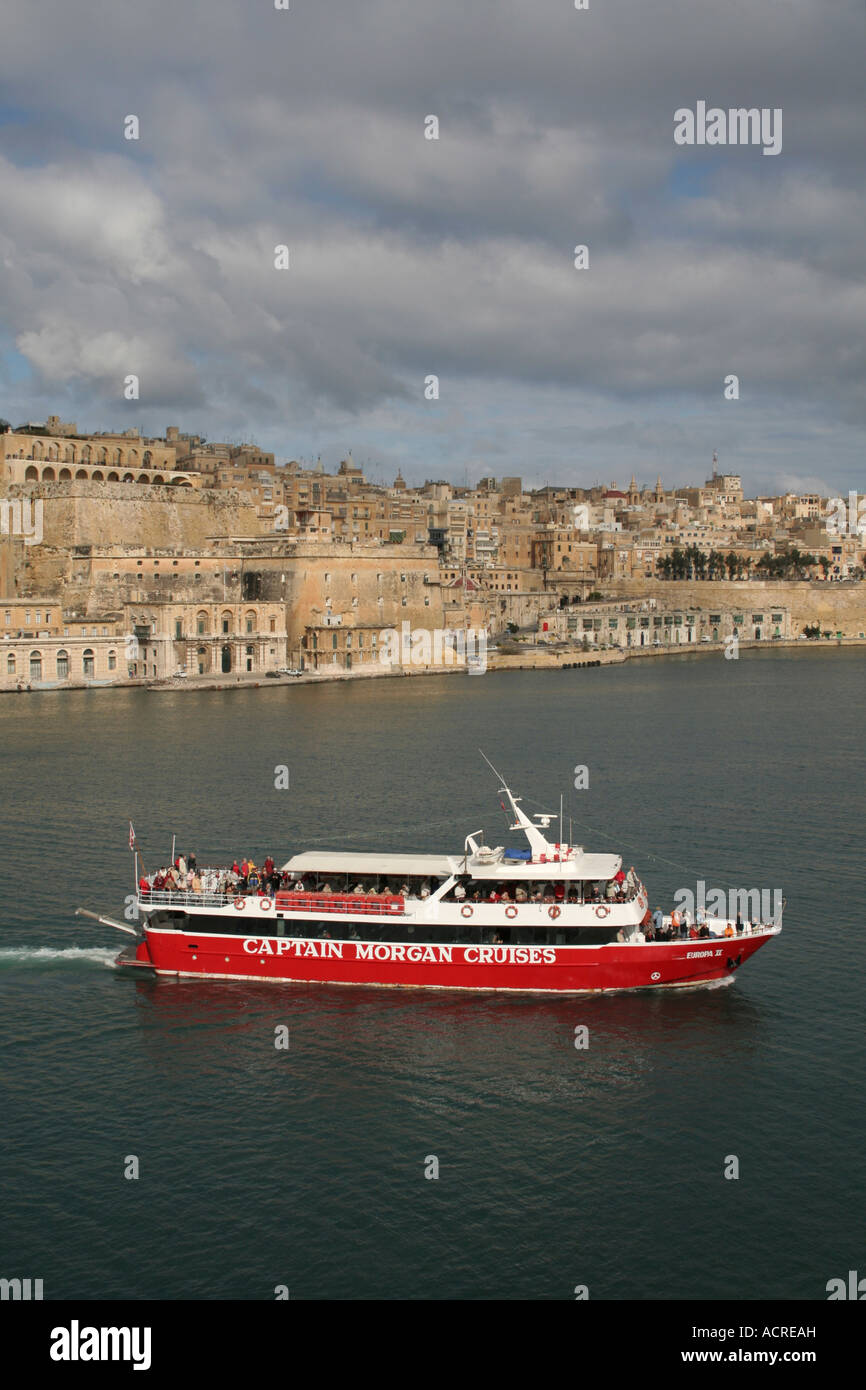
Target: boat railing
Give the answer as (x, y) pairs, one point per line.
(379, 904)
(159, 897)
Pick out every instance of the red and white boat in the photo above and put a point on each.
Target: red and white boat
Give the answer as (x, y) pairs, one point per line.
(548, 918)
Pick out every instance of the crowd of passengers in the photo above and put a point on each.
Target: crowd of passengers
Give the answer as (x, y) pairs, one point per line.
(247, 878)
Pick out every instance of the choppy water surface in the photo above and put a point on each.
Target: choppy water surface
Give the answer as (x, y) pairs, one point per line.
(558, 1167)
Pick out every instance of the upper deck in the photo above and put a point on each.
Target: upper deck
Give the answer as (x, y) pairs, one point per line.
(494, 864)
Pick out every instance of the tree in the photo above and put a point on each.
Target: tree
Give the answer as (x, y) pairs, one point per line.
(5, 427)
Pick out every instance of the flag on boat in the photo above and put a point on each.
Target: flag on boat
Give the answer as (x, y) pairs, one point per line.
(131, 836)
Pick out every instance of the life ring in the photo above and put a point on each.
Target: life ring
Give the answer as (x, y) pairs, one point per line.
(240, 904)
(266, 903)
(511, 910)
(466, 910)
(602, 910)
(554, 911)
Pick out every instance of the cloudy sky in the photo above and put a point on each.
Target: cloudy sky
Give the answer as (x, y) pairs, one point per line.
(455, 257)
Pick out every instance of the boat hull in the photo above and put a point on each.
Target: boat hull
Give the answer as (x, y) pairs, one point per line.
(511, 968)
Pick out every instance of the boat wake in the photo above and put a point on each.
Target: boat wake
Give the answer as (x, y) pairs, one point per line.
(42, 955)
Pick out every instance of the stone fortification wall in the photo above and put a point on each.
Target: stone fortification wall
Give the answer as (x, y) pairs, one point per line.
(83, 513)
(835, 607)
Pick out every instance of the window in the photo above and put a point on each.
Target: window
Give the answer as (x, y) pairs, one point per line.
(8, 617)
(273, 625)
(62, 666)
(112, 661)
(178, 629)
(757, 617)
(10, 664)
(334, 641)
(249, 625)
(88, 662)
(27, 617)
(36, 666)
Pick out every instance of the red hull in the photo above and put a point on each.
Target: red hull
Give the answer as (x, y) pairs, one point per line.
(533, 969)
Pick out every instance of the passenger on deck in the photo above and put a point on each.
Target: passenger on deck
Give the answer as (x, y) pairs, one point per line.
(404, 890)
(190, 859)
(658, 919)
(358, 890)
(675, 921)
(459, 892)
(196, 883)
(520, 894)
(610, 890)
(650, 934)
(693, 931)
(268, 866)
(559, 892)
(493, 896)
(538, 894)
(143, 886)
(425, 889)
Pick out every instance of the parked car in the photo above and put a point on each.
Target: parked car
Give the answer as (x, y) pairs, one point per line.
(290, 671)
(272, 675)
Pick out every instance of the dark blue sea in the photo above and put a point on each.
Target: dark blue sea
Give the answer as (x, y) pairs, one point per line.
(558, 1167)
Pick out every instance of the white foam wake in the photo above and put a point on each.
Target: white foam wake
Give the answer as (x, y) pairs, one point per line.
(97, 955)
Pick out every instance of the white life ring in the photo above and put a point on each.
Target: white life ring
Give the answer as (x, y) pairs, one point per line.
(240, 904)
(266, 903)
(602, 910)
